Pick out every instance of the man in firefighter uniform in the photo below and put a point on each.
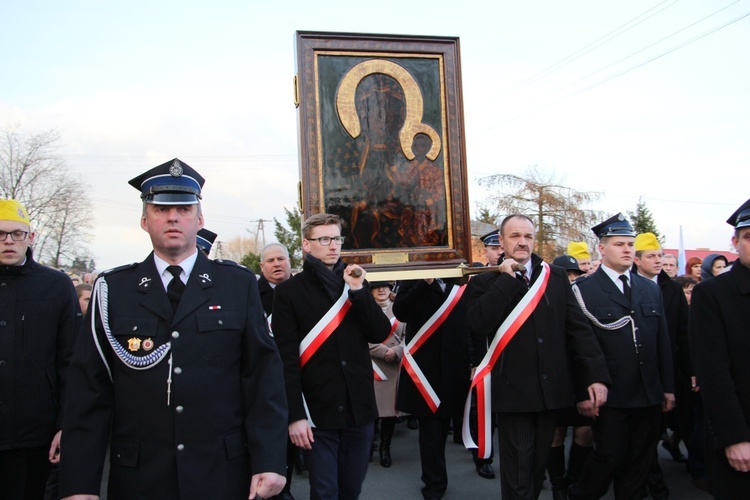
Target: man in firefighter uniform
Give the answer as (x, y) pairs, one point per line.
(176, 368)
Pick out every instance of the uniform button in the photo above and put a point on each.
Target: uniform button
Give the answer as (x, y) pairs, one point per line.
(640, 363)
(640, 346)
(343, 363)
(340, 408)
(540, 340)
(180, 447)
(3, 323)
(2, 362)
(177, 370)
(179, 409)
(175, 335)
(221, 322)
(3, 284)
(544, 377)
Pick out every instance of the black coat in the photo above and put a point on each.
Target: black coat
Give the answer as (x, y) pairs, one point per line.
(227, 416)
(720, 340)
(534, 372)
(639, 379)
(444, 358)
(340, 372)
(266, 295)
(676, 311)
(39, 319)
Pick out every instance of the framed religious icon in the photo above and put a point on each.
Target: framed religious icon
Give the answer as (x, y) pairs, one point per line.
(382, 146)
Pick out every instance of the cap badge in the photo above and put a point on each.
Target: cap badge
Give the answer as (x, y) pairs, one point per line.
(620, 217)
(175, 170)
(134, 344)
(147, 344)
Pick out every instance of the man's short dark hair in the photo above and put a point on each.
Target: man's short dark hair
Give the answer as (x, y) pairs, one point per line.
(513, 216)
(323, 219)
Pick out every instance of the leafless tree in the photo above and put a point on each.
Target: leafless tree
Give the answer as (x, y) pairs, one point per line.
(34, 173)
(557, 211)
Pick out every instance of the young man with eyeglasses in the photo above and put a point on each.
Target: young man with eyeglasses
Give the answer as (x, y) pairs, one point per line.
(323, 319)
(39, 319)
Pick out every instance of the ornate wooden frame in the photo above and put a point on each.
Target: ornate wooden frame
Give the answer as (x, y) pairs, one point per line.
(381, 141)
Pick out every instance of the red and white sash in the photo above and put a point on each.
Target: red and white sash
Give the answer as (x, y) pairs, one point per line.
(376, 371)
(324, 327)
(482, 379)
(424, 333)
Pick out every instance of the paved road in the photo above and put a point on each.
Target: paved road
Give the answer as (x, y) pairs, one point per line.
(401, 481)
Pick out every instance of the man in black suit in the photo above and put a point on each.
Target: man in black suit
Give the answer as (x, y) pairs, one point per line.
(443, 358)
(628, 318)
(175, 367)
(719, 319)
(533, 376)
(40, 323)
(275, 268)
(648, 263)
(323, 319)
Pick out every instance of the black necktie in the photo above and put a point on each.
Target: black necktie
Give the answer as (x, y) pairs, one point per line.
(522, 275)
(175, 287)
(625, 286)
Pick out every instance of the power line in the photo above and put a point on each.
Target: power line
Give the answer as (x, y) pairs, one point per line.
(616, 75)
(591, 46)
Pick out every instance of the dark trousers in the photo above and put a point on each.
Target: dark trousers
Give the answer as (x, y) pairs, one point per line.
(624, 441)
(433, 432)
(524, 442)
(23, 473)
(337, 462)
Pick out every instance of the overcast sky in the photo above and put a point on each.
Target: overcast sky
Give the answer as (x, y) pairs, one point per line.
(633, 99)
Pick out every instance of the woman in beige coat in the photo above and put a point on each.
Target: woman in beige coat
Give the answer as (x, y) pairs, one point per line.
(386, 358)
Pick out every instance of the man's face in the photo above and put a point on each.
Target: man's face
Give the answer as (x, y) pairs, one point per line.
(275, 265)
(669, 264)
(649, 263)
(172, 229)
(584, 265)
(14, 252)
(84, 299)
(330, 253)
(492, 253)
(617, 252)
(517, 239)
(742, 243)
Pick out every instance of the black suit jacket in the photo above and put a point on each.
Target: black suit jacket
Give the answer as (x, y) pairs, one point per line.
(534, 373)
(227, 414)
(641, 378)
(444, 358)
(719, 319)
(266, 295)
(338, 379)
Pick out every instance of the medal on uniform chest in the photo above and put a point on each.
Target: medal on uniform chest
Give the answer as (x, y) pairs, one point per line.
(147, 344)
(134, 344)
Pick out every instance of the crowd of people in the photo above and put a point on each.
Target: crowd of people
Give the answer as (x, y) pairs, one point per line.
(198, 379)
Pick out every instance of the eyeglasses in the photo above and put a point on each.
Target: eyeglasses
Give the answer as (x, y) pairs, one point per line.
(326, 240)
(14, 235)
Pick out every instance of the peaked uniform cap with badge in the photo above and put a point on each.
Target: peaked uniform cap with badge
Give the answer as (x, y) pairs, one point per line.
(646, 241)
(567, 262)
(741, 216)
(616, 225)
(205, 240)
(171, 183)
(491, 239)
(13, 210)
(578, 250)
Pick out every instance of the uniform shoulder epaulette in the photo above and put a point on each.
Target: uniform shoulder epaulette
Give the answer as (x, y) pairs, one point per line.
(581, 278)
(231, 263)
(118, 269)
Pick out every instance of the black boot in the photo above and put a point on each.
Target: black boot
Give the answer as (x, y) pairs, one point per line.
(556, 470)
(576, 460)
(387, 425)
